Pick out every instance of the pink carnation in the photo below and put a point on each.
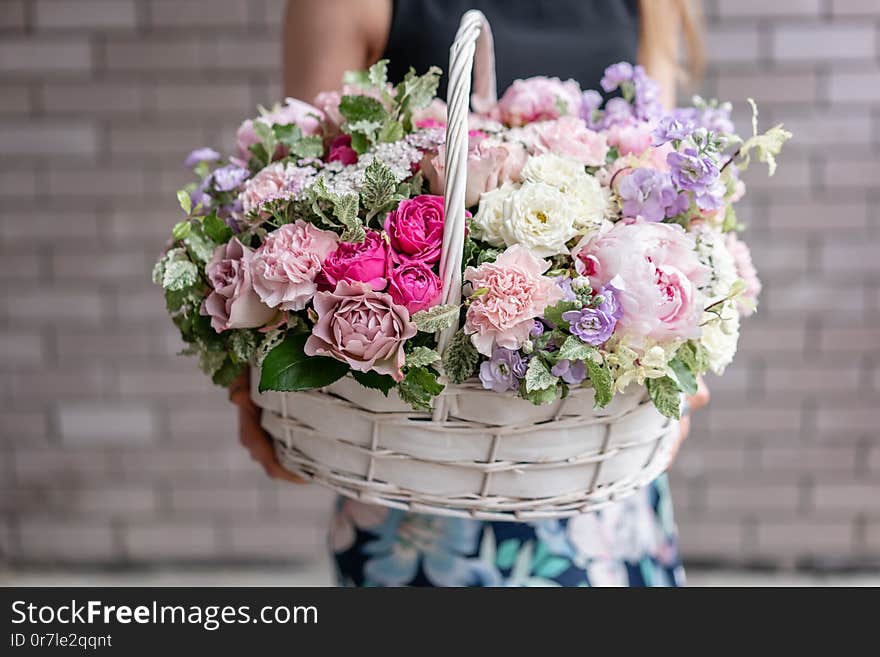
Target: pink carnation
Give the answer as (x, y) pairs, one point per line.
(293, 112)
(233, 303)
(361, 327)
(365, 262)
(538, 99)
(655, 272)
(631, 138)
(286, 264)
(516, 293)
(414, 285)
(745, 269)
(277, 181)
(415, 229)
(570, 137)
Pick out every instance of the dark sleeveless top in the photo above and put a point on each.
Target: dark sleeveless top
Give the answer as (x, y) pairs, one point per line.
(563, 38)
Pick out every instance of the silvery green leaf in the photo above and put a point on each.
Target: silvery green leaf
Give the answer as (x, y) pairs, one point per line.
(666, 396)
(159, 271)
(461, 358)
(179, 274)
(436, 318)
(243, 343)
(600, 377)
(271, 339)
(421, 357)
(575, 349)
(538, 376)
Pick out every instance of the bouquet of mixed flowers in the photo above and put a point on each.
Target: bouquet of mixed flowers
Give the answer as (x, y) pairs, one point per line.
(601, 245)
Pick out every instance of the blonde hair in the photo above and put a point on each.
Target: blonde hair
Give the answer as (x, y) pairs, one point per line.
(664, 26)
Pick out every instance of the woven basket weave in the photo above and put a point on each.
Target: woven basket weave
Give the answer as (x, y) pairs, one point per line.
(480, 454)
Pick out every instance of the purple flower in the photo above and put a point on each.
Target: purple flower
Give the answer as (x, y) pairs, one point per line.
(650, 194)
(714, 118)
(591, 100)
(698, 174)
(503, 371)
(615, 75)
(199, 196)
(537, 329)
(617, 110)
(672, 129)
(595, 325)
(573, 373)
(201, 155)
(646, 95)
(229, 177)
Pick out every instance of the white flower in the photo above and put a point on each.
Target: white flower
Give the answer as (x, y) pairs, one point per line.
(712, 251)
(640, 360)
(720, 336)
(539, 217)
(490, 214)
(553, 170)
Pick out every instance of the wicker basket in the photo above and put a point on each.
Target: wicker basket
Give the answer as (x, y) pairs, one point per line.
(480, 454)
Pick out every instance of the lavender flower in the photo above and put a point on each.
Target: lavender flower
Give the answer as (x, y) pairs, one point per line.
(201, 155)
(650, 194)
(568, 294)
(591, 100)
(617, 110)
(503, 371)
(672, 129)
(572, 372)
(615, 75)
(595, 325)
(537, 329)
(646, 96)
(698, 174)
(229, 177)
(709, 115)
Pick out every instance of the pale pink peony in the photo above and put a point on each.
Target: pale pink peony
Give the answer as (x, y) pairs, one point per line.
(233, 303)
(515, 294)
(293, 112)
(277, 181)
(570, 137)
(745, 269)
(286, 264)
(631, 138)
(538, 99)
(361, 327)
(655, 272)
(491, 163)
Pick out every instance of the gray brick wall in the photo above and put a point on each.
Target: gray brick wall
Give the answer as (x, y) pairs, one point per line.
(114, 450)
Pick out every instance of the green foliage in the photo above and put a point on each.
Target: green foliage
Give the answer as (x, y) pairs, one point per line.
(460, 358)
(419, 387)
(553, 314)
(288, 368)
(181, 230)
(767, 145)
(185, 201)
(243, 343)
(600, 377)
(271, 339)
(666, 396)
(216, 229)
(337, 211)
(378, 74)
(179, 274)
(300, 146)
(381, 382)
(416, 92)
(198, 245)
(436, 318)
(364, 116)
(684, 375)
(538, 376)
(379, 191)
(575, 349)
(228, 372)
(421, 357)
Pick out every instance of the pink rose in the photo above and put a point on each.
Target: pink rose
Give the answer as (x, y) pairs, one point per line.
(293, 112)
(277, 181)
(415, 229)
(745, 269)
(656, 273)
(570, 137)
(341, 151)
(233, 303)
(490, 163)
(414, 285)
(365, 262)
(633, 138)
(516, 293)
(286, 264)
(538, 99)
(361, 327)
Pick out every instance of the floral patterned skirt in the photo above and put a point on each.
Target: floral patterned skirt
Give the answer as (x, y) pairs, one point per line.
(630, 543)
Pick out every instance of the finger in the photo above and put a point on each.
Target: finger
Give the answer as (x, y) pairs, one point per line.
(701, 398)
(277, 471)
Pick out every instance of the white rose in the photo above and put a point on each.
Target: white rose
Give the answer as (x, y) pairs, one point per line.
(712, 251)
(592, 202)
(539, 217)
(552, 170)
(490, 214)
(720, 337)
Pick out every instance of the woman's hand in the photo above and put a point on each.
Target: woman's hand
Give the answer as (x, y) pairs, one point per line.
(251, 434)
(694, 403)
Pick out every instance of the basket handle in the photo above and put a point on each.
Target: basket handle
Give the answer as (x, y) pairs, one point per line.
(472, 51)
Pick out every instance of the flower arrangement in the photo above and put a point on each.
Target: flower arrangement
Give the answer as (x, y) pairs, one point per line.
(601, 247)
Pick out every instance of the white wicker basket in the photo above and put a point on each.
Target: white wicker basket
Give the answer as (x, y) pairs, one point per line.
(481, 454)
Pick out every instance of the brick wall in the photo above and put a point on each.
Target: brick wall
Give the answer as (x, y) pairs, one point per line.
(115, 450)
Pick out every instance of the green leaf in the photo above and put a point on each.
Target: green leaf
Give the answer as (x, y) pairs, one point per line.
(381, 382)
(540, 397)
(345, 207)
(419, 387)
(600, 377)
(575, 349)
(288, 134)
(538, 376)
(288, 368)
(390, 132)
(362, 108)
(436, 318)
(665, 395)
(243, 343)
(198, 244)
(179, 274)
(181, 230)
(216, 228)
(553, 314)
(379, 188)
(308, 147)
(271, 339)
(685, 377)
(359, 143)
(421, 357)
(185, 201)
(417, 91)
(228, 372)
(378, 74)
(461, 358)
(267, 138)
(767, 145)
(357, 79)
